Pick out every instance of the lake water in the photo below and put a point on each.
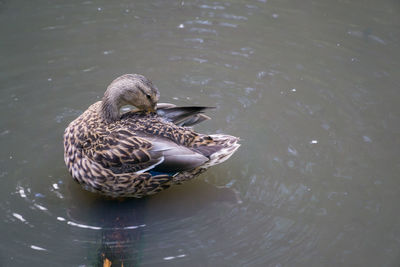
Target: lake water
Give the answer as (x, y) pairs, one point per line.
(311, 87)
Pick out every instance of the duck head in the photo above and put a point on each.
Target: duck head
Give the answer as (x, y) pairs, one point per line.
(129, 89)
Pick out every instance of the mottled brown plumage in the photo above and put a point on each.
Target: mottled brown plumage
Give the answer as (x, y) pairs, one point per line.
(140, 152)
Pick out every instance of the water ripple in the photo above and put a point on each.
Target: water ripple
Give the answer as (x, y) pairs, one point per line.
(234, 17)
(215, 7)
(202, 30)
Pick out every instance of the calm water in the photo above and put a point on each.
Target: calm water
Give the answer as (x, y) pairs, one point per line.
(312, 88)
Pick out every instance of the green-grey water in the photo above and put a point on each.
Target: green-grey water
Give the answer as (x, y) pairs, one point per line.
(311, 87)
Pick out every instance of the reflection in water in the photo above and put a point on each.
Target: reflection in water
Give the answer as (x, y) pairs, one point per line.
(120, 224)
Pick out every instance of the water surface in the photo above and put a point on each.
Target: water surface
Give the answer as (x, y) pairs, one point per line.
(310, 87)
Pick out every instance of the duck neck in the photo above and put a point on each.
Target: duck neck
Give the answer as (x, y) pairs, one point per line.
(110, 109)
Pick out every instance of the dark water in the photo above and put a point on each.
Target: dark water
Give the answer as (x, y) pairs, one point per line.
(311, 87)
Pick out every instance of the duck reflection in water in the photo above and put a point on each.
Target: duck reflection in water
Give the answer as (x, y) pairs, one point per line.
(124, 222)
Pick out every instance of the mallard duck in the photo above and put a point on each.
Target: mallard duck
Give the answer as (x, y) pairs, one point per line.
(143, 151)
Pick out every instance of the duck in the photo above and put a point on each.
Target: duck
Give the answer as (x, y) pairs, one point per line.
(143, 151)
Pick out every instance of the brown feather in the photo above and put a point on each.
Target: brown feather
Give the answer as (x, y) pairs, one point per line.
(116, 157)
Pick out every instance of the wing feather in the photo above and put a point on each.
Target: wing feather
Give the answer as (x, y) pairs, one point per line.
(176, 158)
(182, 116)
(122, 151)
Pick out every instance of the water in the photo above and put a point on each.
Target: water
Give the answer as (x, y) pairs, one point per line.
(310, 87)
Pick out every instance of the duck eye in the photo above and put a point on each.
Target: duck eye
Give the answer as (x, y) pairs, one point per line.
(148, 97)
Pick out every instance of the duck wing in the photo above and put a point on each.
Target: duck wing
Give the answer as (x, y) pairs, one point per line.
(123, 151)
(182, 116)
(176, 157)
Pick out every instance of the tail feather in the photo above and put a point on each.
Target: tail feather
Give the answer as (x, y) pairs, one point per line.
(229, 144)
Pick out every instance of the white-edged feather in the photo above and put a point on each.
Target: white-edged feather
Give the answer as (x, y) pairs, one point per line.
(152, 166)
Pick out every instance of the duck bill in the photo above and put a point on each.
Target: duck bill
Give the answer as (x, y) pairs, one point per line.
(153, 109)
